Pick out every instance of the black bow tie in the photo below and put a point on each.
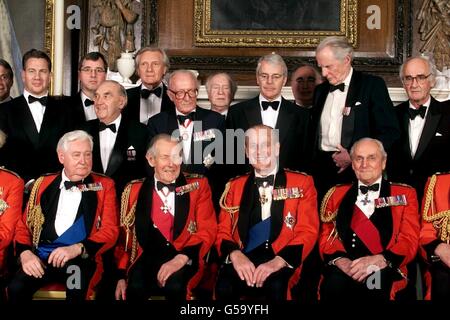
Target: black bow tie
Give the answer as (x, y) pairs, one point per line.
(181, 118)
(145, 93)
(340, 86)
(260, 180)
(170, 186)
(413, 113)
(42, 100)
(69, 184)
(273, 104)
(88, 102)
(103, 126)
(373, 187)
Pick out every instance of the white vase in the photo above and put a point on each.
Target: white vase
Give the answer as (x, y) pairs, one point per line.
(125, 66)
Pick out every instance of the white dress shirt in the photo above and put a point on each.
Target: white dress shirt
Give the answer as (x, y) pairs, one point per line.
(167, 197)
(151, 106)
(266, 191)
(36, 108)
(269, 116)
(107, 141)
(332, 116)
(415, 128)
(186, 131)
(369, 207)
(89, 112)
(68, 203)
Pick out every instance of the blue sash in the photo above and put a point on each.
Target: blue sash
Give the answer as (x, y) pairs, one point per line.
(76, 233)
(258, 234)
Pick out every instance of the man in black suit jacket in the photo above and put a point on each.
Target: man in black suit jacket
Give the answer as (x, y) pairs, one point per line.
(348, 106)
(271, 109)
(34, 121)
(119, 144)
(91, 73)
(150, 97)
(425, 128)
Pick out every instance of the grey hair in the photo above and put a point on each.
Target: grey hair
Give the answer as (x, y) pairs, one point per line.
(151, 150)
(165, 58)
(274, 59)
(121, 89)
(233, 85)
(380, 146)
(338, 45)
(76, 135)
(183, 71)
(427, 59)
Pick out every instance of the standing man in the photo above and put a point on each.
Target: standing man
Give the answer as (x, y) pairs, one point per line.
(34, 121)
(370, 231)
(303, 82)
(267, 226)
(425, 128)
(348, 106)
(150, 97)
(70, 220)
(221, 89)
(6, 81)
(271, 109)
(91, 73)
(169, 225)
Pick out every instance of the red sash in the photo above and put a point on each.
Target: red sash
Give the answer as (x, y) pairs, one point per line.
(366, 231)
(163, 221)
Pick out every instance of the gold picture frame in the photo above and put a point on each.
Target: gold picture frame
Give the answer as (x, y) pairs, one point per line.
(206, 35)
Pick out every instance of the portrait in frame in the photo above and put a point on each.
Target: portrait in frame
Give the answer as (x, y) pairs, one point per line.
(273, 23)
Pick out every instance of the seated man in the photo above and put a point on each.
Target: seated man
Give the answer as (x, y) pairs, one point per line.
(69, 221)
(168, 226)
(370, 231)
(434, 237)
(11, 194)
(267, 226)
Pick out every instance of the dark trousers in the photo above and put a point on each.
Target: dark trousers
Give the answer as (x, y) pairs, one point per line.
(440, 282)
(337, 286)
(142, 281)
(22, 287)
(306, 288)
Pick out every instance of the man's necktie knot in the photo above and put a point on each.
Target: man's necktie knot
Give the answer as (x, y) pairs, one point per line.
(145, 93)
(160, 185)
(88, 102)
(103, 126)
(42, 100)
(260, 180)
(364, 189)
(69, 184)
(340, 86)
(413, 113)
(273, 104)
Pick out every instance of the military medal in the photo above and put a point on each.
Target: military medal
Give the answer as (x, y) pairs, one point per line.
(287, 193)
(366, 200)
(263, 198)
(204, 135)
(96, 186)
(192, 227)
(289, 221)
(165, 208)
(187, 188)
(3, 204)
(392, 201)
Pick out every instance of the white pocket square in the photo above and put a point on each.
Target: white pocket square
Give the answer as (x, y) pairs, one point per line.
(438, 134)
(357, 103)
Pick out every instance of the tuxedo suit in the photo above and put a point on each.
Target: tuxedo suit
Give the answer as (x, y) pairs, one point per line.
(294, 229)
(28, 152)
(371, 114)
(133, 108)
(193, 234)
(398, 228)
(99, 211)
(77, 106)
(292, 124)
(122, 166)
(430, 155)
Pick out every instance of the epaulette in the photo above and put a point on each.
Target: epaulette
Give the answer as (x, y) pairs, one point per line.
(440, 173)
(136, 181)
(9, 171)
(400, 184)
(100, 174)
(237, 177)
(193, 175)
(295, 171)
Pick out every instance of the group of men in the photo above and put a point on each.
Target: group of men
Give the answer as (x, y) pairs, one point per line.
(159, 211)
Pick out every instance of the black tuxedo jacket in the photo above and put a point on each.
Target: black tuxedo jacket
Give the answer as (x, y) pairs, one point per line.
(124, 165)
(430, 156)
(132, 110)
(371, 114)
(76, 104)
(292, 124)
(28, 152)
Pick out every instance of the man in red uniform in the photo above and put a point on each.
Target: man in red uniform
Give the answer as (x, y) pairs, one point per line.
(434, 237)
(370, 231)
(168, 226)
(70, 220)
(11, 194)
(267, 226)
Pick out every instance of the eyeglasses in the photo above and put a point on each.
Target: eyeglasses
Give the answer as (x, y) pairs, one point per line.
(182, 93)
(420, 79)
(90, 70)
(273, 77)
